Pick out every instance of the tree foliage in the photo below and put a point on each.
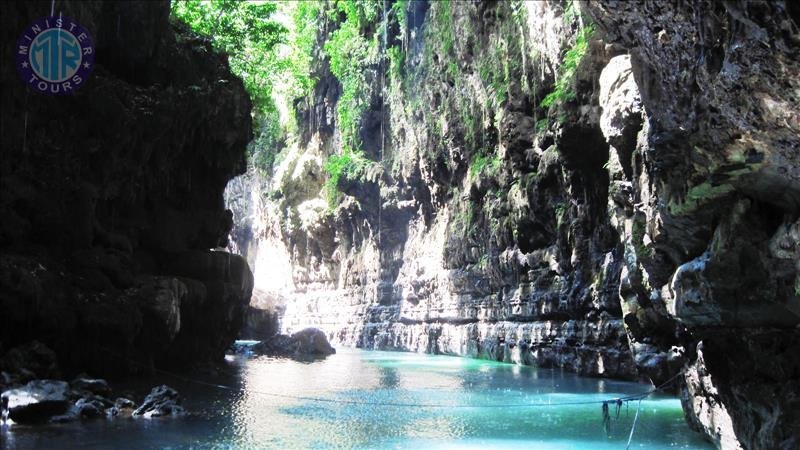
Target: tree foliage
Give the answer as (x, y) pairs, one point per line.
(272, 46)
(247, 32)
(250, 35)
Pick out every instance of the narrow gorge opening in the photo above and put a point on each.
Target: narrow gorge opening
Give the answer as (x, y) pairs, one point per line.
(400, 223)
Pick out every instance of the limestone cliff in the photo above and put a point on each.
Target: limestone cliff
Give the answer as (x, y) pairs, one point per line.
(111, 198)
(610, 188)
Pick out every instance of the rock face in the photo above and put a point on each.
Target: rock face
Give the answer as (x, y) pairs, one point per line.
(112, 197)
(513, 259)
(715, 183)
(642, 224)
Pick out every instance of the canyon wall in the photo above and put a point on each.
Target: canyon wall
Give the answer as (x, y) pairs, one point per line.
(111, 198)
(610, 188)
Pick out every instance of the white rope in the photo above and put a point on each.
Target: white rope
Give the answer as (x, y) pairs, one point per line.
(633, 427)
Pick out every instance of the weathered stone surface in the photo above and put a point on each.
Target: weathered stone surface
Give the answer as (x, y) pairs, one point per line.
(161, 401)
(307, 343)
(123, 407)
(711, 268)
(160, 302)
(621, 103)
(37, 401)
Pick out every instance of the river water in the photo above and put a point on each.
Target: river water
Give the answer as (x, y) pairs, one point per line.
(368, 398)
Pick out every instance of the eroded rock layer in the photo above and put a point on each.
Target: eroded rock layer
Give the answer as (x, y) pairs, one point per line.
(632, 212)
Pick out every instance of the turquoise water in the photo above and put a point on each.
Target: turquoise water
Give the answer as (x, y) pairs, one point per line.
(474, 390)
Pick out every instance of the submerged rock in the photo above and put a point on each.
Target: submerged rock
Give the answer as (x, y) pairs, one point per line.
(307, 343)
(37, 401)
(161, 401)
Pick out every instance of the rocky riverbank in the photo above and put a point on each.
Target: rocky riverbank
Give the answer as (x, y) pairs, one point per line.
(31, 394)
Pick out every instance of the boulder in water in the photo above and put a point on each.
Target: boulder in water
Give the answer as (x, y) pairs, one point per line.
(85, 408)
(37, 401)
(307, 343)
(90, 408)
(122, 408)
(161, 401)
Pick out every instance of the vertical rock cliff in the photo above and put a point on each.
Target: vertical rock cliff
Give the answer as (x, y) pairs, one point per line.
(112, 198)
(610, 188)
(713, 175)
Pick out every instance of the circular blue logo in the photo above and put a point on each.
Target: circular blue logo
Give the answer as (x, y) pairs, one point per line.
(55, 55)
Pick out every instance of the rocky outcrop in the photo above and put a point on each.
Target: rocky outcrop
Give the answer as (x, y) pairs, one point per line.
(161, 401)
(112, 197)
(712, 204)
(305, 344)
(615, 193)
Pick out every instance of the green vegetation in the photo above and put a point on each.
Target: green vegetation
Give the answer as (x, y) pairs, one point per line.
(350, 165)
(563, 90)
(250, 35)
(305, 17)
(247, 32)
(697, 196)
(638, 232)
(271, 55)
(349, 53)
(445, 27)
(397, 60)
(463, 217)
(541, 125)
(483, 163)
(561, 212)
(398, 12)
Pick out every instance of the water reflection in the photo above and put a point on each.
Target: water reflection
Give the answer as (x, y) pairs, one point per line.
(478, 393)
